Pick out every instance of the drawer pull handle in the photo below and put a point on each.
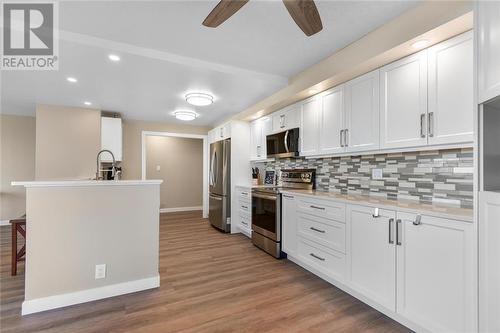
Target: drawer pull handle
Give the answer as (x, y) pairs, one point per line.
(317, 257)
(244, 193)
(316, 207)
(287, 196)
(317, 230)
(418, 220)
(243, 222)
(245, 207)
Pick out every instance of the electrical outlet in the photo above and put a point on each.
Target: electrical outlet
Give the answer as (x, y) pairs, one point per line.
(100, 271)
(158, 168)
(377, 174)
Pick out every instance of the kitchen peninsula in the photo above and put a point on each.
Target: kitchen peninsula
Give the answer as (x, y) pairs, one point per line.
(88, 240)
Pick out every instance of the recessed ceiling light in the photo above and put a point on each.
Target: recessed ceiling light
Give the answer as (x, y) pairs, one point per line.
(87, 103)
(71, 79)
(185, 115)
(113, 57)
(313, 91)
(199, 99)
(420, 44)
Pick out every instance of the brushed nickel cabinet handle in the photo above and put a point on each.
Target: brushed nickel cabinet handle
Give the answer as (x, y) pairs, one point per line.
(422, 125)
(391, 240)
(398, 231)
(317, 230)
(317, 257)
(316, 207)
(418, 220)
(430, 124)
(376, 213)
(287, 196)
(341, 138)
(346, 138)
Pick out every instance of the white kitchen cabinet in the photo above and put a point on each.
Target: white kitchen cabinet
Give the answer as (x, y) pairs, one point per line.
(488, 46)
(362, 113)
(372, 254)
(450, 91)
(403, 113)
(331, 121)
(259, 129)
(489, 262)
(243, 218)
(286, 118)
(111, 138)
(309, 135)
(289, 222)
(436, 285)
(218, 133)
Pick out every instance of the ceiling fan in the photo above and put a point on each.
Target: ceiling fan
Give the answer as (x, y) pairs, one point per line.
(304, 13)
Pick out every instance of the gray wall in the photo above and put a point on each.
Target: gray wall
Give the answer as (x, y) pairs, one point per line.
(72, 229)
(17, 162)
(181, 169)
(67, 142)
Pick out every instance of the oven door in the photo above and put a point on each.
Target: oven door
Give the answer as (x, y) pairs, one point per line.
(266, 215)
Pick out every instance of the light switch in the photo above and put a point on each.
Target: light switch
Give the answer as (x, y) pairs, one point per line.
(158, 168)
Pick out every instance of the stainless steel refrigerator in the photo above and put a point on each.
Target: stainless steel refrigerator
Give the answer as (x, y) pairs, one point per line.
(220, 185)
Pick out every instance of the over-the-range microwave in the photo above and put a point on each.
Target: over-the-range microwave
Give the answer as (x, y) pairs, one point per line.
(283, 144)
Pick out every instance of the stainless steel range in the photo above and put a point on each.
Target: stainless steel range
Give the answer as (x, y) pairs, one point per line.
(266, 209)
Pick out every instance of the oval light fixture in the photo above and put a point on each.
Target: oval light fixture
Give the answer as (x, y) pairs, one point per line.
(114, 57)
(199, 99)
(185, 115)
(420, 44)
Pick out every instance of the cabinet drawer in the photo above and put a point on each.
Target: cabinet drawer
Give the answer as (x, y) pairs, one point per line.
(327, 261)
(245, 208)
(245, 222)
(244, 193)
(322, 208)
(326, 232)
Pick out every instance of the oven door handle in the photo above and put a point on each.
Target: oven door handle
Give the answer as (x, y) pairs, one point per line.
(263, 196)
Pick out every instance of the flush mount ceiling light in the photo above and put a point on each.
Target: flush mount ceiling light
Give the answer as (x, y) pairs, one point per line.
(114, 57)
(420, 44)
(199, 99)
(71, 79)
(87, 103)
(185, 115)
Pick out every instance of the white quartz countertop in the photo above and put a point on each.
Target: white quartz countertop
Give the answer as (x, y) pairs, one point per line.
(409, 206)
(79, 183)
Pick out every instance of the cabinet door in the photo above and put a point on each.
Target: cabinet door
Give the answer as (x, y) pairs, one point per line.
(488, 26)
(451, 89)
(331, 122)
(309, 135)
(287, 118)
(403, 99)
(435, 273)
(372, 254)
(489, 262)
(289, 222)
(362, 112)
(111, 138)
(256, 140)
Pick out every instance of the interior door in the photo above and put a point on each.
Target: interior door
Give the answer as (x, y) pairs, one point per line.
(362, 112)
(435, 273)
(451, 90)
(403, 100)
(331, 122)
(372, 254)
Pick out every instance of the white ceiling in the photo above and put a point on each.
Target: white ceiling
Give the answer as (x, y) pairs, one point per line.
(166, 52)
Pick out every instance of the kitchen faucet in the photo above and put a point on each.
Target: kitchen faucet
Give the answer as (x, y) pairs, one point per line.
(113, 168)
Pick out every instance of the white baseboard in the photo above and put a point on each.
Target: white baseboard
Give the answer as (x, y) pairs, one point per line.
(83, 296)
(180, 209)
(4, 222)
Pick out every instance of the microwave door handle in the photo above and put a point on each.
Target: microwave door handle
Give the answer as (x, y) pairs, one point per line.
(286, 142)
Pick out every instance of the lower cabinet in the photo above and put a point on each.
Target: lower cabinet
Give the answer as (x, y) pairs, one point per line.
(372, 254)
(244, 216)
(416, 268)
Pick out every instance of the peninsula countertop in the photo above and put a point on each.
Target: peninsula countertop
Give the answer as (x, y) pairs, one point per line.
(409, 206)
(79, 183)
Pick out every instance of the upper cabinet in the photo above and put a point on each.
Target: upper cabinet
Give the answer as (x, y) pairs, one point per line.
(362, 113)
(309, 122)
(221, 132)
(451, 91)
(286, 118)
(259, 129)
(403, 91)
(331, 121)
(488, 26)
(111, 138)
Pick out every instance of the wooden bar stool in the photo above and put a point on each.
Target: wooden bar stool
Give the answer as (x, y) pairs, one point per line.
(18, 226)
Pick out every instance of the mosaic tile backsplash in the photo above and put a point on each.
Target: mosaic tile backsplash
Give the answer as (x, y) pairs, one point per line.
(438, 176)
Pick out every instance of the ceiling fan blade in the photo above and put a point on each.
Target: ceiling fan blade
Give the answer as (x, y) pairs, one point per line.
(224, 10)
(305, 14)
